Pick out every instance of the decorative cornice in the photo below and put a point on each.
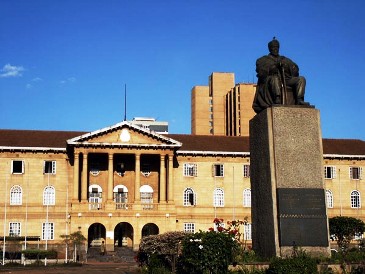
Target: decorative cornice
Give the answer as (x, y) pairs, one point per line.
(37, 149)
(341, 156)
(213, 153)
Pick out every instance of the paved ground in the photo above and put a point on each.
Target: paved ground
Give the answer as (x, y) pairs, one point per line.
(90, 268)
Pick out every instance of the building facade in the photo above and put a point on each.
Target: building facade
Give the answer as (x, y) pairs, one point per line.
(152, 124)
(222, 107)
(124, 182)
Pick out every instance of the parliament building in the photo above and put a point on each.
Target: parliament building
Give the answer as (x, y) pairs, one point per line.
(123, 182)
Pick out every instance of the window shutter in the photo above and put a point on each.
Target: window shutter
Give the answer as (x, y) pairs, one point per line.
(350, 172)
(334, 172)
(53, 167)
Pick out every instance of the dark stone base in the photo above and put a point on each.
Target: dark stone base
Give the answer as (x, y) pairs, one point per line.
(288, 196)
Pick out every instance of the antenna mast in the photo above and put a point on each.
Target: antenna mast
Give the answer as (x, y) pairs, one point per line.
(125, 102)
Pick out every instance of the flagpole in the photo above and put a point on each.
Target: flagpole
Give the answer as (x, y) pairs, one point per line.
(125, 102)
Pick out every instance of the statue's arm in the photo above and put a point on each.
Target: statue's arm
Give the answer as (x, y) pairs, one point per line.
(291, 66)
(265, 67)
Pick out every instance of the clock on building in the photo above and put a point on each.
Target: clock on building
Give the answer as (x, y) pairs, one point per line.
(125, 135)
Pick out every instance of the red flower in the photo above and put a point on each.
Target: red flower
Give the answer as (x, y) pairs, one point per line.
(220, 229)
(211, 229)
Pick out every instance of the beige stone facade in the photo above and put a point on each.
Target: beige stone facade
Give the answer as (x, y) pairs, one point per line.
(223, 107)
(123, 182)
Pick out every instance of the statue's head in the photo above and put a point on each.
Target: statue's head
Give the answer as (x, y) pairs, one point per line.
(274, 46)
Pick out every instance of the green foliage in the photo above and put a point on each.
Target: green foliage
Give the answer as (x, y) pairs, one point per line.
(247, 271)
(302, 264)
(351, 256)
(344, 229)
(207, 252)
(248, 256)
(159, 251)
(37, 254)
(358, 270)
(75, 238)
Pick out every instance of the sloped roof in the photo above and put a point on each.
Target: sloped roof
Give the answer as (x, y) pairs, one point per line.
(36, 138)
(344, 146)
(208, 143)
(212, 143)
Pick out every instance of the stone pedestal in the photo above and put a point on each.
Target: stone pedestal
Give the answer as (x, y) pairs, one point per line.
(288, 195)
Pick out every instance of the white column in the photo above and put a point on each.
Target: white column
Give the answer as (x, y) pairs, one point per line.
(137, 183)
(110, 177)
(84, 177)
(171, 179)
(76, 176)
(162, 179)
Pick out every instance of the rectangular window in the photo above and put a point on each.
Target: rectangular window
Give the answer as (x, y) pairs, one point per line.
(14, 229)
(247, 232)
(190, 170)
(329, 172)
(17, 167)
(189, 227)
(246, 171)
(47, 231)
(49, 167)
(355, 173)
(218, 170)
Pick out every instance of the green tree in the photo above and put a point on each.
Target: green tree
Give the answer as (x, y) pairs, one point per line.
(76, 239)
(160, 250)
(344, 229)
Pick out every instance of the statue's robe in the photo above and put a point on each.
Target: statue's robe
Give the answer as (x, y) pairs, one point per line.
(267, 67)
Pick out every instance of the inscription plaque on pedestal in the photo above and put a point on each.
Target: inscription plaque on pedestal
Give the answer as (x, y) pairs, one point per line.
(299, 211)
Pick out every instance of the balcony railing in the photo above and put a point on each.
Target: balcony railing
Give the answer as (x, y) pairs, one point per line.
(95, 206)
(123, 206)
(129, 206)
(148, 206)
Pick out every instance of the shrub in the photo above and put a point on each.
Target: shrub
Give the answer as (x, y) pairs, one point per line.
(207, 252)
(300, 264)
(36, 254)
(156, 251)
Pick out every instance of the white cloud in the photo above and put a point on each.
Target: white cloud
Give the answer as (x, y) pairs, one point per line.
(68, 80)
(28, 86)
(37, 79)
(11, 71)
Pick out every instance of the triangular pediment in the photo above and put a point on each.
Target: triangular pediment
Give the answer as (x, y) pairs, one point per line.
(123, 134)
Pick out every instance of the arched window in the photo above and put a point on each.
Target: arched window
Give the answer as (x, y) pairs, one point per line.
(146, 196)
(189, 197)
(329, 198)
(247, 197)
(49, 195)
(95, 196)
(355, 199)
(121, 196)
(218, 197)
(15, 195)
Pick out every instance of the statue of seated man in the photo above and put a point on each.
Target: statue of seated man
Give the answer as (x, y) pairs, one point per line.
(275, 73)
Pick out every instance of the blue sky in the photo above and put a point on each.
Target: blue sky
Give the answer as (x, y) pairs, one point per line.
(64, 63)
